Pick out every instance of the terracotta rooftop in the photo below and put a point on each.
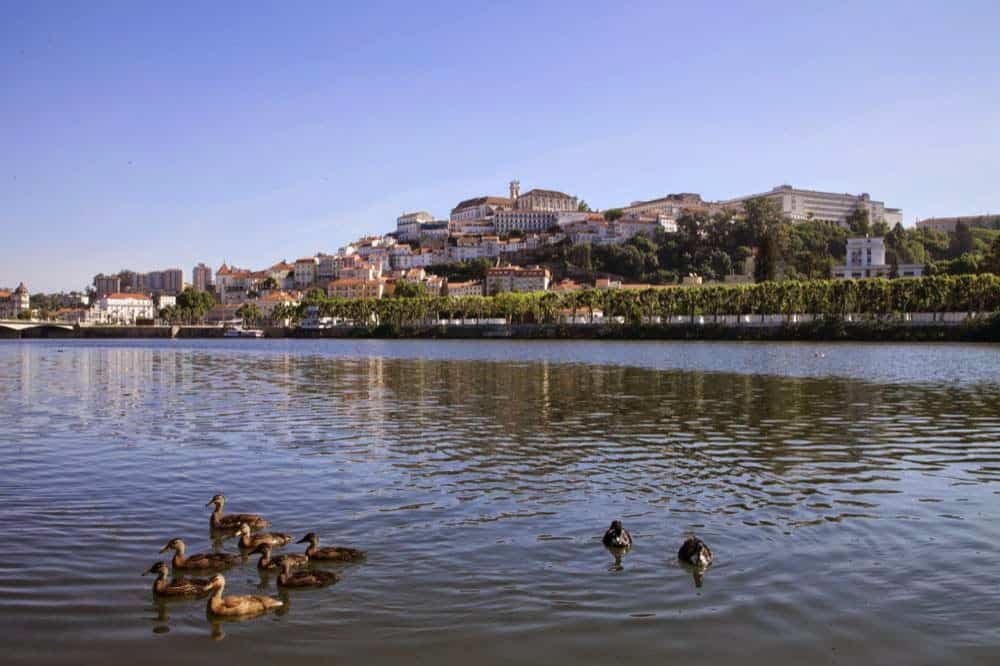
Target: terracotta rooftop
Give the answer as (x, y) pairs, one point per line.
(120, 296)
(480, 201)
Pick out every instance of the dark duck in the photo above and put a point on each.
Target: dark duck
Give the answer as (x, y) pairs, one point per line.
(695, 552)
(617, 536)
(178, 587)
(305, 578)
(198, 560)
(330, 553)
(233, 520)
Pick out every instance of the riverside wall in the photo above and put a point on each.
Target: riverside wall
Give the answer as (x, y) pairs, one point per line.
(921, 327)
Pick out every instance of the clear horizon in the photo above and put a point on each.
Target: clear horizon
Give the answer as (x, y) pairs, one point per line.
(157, 137)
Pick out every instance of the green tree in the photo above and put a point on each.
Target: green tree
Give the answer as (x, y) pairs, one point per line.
(583, 207)
(613, 214)
(250, 314)
(407, 289)
(270, 284)
(858, 222)
(991, 262)
(961, 241)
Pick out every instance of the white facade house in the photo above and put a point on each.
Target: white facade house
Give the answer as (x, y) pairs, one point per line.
(866, 259)
(515, 278)
(122, 309)
(306, 271)
(14, 302)
(472, 288)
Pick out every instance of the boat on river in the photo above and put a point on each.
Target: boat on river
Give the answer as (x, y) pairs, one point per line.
(240, 332)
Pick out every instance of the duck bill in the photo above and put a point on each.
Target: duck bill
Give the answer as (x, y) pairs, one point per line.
(303, 540)
(165, 549)
(210, 503)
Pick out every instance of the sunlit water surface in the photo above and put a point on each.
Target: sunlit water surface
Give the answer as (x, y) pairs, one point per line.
(850, 493)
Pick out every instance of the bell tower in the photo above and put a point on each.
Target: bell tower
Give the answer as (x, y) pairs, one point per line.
(515, 190)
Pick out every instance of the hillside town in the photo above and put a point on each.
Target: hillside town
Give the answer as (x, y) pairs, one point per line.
(510, 243)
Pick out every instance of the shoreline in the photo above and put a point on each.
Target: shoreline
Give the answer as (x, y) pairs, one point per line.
(983, 329)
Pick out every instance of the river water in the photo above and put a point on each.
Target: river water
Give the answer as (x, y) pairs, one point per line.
(850, 493)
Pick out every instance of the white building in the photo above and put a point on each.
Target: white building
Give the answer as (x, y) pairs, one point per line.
(535, 221)
(14, 302)
(124, 309)
(306, 270)
(866, 259)
(515, 278)
(471, 288)
(541, 200)
(479, 208)
(800, 205)
(408, 225)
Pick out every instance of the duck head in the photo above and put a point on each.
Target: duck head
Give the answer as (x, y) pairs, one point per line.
(174, 544)
(216, 582)
(159, 569)
(616, 527)
(218, 500)
(310, 538)
(242, 530)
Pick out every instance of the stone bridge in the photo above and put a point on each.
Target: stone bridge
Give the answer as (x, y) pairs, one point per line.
(16, 326)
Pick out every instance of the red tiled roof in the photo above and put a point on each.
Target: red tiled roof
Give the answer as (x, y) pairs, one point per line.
(122, 296)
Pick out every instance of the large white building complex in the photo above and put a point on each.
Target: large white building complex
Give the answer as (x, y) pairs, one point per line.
(801, 205)
(122, 309)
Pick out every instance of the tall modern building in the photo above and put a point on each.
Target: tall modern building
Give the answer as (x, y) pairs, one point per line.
(201, 277)
(169, 281)
(801, 205)
(107, 284)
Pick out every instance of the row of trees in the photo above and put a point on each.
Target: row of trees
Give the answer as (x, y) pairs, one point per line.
(191, 307)
(833, 298)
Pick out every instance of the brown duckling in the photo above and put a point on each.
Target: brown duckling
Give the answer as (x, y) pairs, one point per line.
(265, 562)
(178, 587)
(232, 521)
(617, 536)
(273, 539)
(330, 553)
(310, 578)
(695, 552)
(198, 560)
(236, 606)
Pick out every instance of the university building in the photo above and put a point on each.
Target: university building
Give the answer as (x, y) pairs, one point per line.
(801, 205)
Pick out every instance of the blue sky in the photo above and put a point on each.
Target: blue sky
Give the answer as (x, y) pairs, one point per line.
(149, 136)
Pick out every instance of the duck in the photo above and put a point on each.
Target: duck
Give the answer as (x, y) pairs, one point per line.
(273, 539)
(219, 522)
(330, 553)
(310, 578)
(617, 536)
(199, 560)
(265, 562)
(695, 552)
(236, 606)
(178, 587)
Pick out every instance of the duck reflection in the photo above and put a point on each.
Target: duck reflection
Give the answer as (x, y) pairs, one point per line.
(618, 553)
(161, 622)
